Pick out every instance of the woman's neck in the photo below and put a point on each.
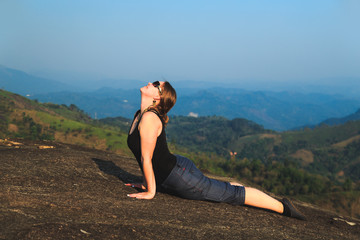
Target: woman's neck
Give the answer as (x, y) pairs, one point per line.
(145, 103)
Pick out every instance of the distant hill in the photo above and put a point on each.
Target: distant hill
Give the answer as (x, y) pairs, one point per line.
(105, 102)
(25, 84)
(276, 111)
(336, 121)
(333, 121)
(210, 134)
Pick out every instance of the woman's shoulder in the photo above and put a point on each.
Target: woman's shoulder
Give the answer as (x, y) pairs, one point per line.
(151, 116)
(150, 122)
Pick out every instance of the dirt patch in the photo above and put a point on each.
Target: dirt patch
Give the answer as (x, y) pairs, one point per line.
(80, 139)
(306, 156)
(267, 135)
(71, 192)
(346, 142)
(340, 173)
(13, 128)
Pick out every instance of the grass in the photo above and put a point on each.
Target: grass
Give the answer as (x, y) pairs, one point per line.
(322, 135)
(66, 124)
(4, 93)
(86, 133)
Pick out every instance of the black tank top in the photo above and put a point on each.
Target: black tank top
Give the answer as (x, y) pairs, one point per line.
(163, 161)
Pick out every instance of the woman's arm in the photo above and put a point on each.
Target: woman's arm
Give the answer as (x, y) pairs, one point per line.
(150, 128)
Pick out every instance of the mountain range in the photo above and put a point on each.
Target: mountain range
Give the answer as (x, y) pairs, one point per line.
(273, 110)
(25, 84)
(276, 111)
(337, 121)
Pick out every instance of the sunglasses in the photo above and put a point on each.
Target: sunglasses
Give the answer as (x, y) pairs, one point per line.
(157, 85)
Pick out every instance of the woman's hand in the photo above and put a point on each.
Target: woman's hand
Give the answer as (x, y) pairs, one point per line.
(136, 185)
(142, 195)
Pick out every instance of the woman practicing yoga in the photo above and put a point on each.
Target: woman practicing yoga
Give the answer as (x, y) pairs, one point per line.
(176, 174)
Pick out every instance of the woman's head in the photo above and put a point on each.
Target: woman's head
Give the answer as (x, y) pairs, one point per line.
(167, 100)
(168, 96)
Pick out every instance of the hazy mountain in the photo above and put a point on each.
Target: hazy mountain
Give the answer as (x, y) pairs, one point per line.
(336, 121)
(276, 111)
(345, 86)
(26, 84)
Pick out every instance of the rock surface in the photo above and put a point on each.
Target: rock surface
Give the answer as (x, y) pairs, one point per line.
(69, 192)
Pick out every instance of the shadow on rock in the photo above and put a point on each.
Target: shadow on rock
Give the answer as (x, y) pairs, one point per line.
(110, 168)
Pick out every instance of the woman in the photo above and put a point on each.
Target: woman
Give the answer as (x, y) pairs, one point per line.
(176, 174)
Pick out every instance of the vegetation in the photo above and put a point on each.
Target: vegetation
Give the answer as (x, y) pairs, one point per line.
(120, 122)
(320, 164)
(210, 134)
(23, 118)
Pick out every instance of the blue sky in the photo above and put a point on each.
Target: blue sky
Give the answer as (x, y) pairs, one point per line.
(219, 41)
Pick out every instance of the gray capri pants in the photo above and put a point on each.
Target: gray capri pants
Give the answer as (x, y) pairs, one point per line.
(187, 181)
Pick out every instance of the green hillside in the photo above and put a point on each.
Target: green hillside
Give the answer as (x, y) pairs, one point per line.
(210, 134)
(330, 151)
(24, 118)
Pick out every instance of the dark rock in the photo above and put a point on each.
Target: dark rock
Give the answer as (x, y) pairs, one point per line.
(71, 192)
